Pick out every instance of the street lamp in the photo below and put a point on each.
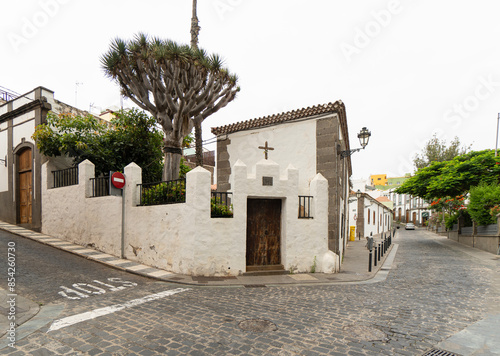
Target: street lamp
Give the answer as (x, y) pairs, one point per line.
(363, 136)
(358, 195)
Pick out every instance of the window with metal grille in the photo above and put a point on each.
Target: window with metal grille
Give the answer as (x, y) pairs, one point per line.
(305, 207)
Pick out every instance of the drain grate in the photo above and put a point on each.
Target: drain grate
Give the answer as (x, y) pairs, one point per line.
(255, 286)
(438, 352)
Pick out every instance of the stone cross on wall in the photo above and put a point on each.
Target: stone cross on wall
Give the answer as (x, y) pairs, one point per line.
(266, 148)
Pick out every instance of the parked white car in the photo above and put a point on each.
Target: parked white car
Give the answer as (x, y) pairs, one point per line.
(410, 226)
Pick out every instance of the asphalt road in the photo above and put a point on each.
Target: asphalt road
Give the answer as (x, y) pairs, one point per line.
(433, 292)
(47, 275)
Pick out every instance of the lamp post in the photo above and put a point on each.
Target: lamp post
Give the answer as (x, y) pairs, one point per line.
(363, 136)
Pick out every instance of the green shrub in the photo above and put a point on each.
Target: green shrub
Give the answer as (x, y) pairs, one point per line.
(219, 209)
(450, 220)
(482, 199)
(164, 193)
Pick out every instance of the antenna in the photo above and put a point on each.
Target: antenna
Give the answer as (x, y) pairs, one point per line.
(76, 92)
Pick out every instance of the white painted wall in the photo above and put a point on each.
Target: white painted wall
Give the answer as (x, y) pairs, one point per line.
(183, 238)
(292, 143)
(25, 131)
(4, 171)
(69, 213)
(22, 100)
(383, 216)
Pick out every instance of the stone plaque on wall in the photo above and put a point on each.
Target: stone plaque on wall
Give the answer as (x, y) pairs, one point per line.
(267, 181)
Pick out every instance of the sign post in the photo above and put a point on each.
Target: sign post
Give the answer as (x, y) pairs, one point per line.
(117, 183)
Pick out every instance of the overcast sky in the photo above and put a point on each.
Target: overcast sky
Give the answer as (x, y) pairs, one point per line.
(404, 69)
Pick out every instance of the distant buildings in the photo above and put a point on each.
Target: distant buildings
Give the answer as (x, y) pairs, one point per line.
(406, 208)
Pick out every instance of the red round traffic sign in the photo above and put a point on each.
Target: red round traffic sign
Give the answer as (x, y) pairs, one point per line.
(118, 180)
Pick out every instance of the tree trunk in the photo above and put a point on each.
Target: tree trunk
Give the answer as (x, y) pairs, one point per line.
(172, 165)
(195, 29)
(199, 145)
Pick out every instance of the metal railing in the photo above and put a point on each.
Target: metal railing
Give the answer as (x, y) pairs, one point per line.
(65, 177)
(220, 205)
(100, 186)
(7, 96)
(305, 207)
(166, 192)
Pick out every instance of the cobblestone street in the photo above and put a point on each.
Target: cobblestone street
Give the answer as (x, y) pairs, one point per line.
(432, 292)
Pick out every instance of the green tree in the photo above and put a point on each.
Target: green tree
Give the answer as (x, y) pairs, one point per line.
(482, 199)
(179, 85)
(132, 136)
(455, 177)
(436, 151)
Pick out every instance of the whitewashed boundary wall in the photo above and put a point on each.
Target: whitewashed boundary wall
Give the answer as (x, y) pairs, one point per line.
(183, 238)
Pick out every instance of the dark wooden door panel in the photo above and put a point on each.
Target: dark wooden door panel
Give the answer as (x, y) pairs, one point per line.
(25, 187)
(263, 232)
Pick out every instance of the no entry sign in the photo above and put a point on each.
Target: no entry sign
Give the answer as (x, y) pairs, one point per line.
(118, 180)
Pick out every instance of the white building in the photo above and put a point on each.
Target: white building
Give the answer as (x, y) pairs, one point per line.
(369, 216)
(310, 139)
(20, 160)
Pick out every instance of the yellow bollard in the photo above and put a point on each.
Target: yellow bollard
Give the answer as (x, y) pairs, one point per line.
(352, 234)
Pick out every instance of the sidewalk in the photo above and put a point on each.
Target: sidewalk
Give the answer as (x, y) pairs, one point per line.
(354, 268)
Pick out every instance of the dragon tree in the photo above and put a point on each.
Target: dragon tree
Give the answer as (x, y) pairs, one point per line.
(179, 85)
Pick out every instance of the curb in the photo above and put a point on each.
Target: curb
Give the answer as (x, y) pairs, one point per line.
(170, 277)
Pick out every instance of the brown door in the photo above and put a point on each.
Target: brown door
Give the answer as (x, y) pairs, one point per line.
(263, 234)
(25, 187)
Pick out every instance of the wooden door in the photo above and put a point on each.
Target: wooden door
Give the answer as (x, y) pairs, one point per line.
(264, 234)
(25, 187)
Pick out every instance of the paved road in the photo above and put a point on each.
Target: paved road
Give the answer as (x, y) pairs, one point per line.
(432, 293)
(47, 275)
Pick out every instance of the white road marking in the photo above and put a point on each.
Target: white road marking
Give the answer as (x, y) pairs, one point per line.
(75, 319)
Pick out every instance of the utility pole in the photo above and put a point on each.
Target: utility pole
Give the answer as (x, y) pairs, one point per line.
(496, 145)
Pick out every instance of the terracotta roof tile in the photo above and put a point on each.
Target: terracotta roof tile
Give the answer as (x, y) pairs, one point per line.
(383, 199)
(275, 119)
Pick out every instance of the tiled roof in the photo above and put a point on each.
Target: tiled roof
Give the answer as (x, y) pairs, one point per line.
(276, 119)
(383, 199)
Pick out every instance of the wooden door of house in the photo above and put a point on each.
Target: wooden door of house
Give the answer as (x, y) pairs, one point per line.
(263, 234)
(25, 186)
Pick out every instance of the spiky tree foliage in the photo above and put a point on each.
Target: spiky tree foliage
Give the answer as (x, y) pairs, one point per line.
(178, 85)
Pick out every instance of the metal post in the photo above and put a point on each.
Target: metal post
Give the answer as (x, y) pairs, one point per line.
(375, 259)
(370, 261)
(496, 144)
(123, 224)
(379, 252)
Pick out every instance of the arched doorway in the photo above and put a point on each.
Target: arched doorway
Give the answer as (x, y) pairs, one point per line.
(25, 172)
